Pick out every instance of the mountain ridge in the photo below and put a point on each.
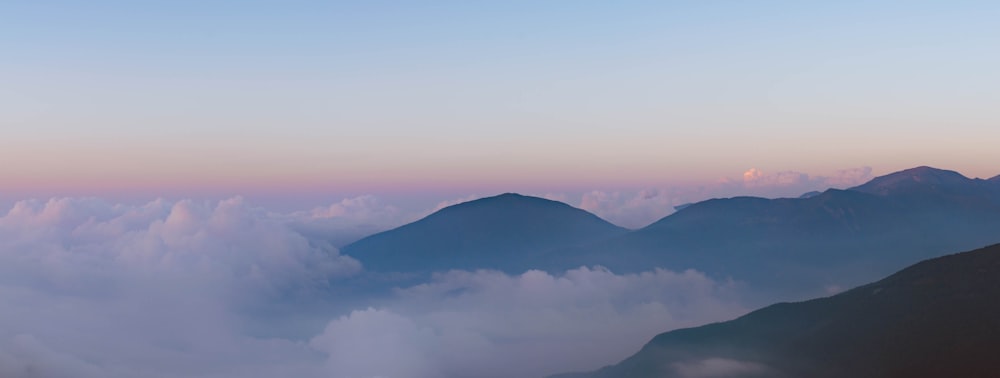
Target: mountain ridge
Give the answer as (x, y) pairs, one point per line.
(838, 237)
(788, 247)
(936, 318)
(922, 183)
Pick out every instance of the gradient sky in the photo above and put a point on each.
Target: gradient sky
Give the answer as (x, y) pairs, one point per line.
(306, 96)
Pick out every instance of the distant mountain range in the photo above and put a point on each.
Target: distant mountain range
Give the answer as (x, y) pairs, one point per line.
(793, 247)
(938, 318)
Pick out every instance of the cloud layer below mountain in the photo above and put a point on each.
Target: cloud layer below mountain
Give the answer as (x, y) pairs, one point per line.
(489, 324)
(178, 289)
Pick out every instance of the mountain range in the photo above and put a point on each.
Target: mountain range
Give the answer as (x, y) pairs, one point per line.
(789, 247)
(836, 238)
(937, 318)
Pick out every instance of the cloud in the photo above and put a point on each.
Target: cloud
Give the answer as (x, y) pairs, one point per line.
(490, 324)
(223, 289)
(754, 177)
(76, 243)
(157, 290)
(720, 368)
(632, 210)
(850, 177)
(24, 356)
(635, 209)
(349, 220)
(378, 343)
(792, 183)
(146, 332)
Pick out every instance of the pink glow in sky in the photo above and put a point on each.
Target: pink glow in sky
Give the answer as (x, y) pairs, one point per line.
(531, 98)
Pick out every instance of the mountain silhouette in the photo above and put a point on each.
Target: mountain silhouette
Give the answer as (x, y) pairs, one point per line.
(783, 248)
(937, 318)
(798, 246)
(509, 232)
(926, 183)
(921, 178)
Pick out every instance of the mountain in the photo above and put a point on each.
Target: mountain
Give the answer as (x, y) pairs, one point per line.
(938, 318)
(510, 232)
(922, 178)
(796, 247)
(926, 183)
(783, 248)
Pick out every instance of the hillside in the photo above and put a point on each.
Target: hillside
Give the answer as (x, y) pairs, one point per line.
(938, 318)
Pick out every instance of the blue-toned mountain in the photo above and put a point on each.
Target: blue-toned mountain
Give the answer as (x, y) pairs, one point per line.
(786, 247)
(509, 232)
(798, 246)
(938, 318)
(931, 184)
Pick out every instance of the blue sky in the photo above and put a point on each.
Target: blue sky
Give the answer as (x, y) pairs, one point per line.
(365, 96)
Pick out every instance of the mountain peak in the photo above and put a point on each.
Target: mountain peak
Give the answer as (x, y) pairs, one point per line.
(510, 196)
(506, 202)
(924, 169)
(925, 173)
(906, 181)
(510, 231)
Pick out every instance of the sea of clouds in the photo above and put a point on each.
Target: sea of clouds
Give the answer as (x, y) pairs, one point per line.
(226, 289)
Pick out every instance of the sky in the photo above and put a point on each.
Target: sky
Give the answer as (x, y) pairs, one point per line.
(176, 177)
(297, 104)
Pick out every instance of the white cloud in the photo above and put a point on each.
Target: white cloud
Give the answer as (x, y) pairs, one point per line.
(719, 368)
(850, 177)
(367, 208)
(74, 243)
(635, 209)
(92, 289)
(197, 289)
(791, 183)
(752, 175)
(490, 324)
(632, 210)
(754, 178)
(349, 220)
(378, 343)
